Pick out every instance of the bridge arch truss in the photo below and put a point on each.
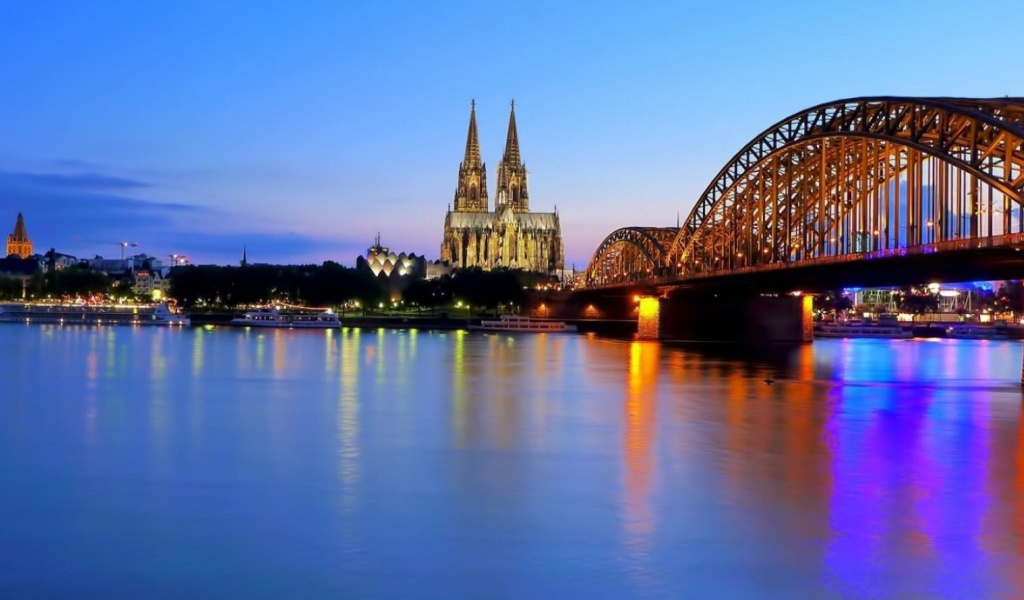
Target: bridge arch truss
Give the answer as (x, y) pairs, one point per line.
(631, 254)
(855, 179)
(869, 176)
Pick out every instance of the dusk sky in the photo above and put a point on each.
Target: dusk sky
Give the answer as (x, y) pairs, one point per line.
(301, 129)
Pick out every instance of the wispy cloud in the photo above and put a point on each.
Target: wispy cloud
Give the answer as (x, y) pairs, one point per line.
(87, 214)
(76, 181)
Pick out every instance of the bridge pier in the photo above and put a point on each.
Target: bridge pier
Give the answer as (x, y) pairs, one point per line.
(649, 318)
(721, 318)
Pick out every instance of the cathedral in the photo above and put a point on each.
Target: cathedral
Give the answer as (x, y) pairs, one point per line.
(510, 236)
(18, 243)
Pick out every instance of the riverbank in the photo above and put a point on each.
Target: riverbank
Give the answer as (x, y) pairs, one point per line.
(612, 328)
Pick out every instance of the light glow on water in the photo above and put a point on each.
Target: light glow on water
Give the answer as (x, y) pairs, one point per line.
(418, 464)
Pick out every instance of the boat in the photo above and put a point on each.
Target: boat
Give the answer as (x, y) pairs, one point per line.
(59, 314)
(270, 317)
(518, 323)
(977, 332)
(862, 330)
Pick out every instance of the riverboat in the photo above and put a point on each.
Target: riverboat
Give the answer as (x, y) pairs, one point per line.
(270, 317)
(58, 314)
(862, 330)
(518, 323)
(977, 332)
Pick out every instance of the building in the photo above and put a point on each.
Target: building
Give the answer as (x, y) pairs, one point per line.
(124, 267)
(150, 283)
(18, 243)
(510, 236)
(437, 269)
(56, 261)
(380, 259)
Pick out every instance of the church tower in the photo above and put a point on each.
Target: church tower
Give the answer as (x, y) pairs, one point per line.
(18, 243)
(511, 236)
(471, 191)
(512, 172)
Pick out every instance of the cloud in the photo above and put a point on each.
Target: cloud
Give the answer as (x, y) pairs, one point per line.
(86, 215)
(77, 181)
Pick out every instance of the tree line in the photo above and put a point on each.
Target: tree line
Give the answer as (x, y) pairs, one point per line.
(75, 282)
(333, 285)
(473, 287)
(329, 284)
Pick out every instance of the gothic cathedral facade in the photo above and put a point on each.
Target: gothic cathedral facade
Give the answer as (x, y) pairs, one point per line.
(511, 236)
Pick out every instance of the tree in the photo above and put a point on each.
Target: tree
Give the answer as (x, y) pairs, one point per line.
(11, 288)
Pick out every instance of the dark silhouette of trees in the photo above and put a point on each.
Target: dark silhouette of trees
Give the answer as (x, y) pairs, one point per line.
(918, 300)
(1010, 297)
(74, 282)
(834, 302)
(10, 288)
(327, 285)
(487, 289)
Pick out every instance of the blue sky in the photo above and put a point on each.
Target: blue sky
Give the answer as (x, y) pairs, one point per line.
(303, 128)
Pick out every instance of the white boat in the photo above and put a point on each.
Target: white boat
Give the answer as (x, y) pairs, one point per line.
(518, 323)
(269, 317)
(862, 330)
(59, 314)
(976, 332)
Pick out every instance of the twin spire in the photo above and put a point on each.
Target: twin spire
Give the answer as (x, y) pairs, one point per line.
(511, 155)
(472, 140)
(471, 192)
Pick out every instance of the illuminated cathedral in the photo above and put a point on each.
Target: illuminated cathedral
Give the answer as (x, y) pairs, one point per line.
(510, 236)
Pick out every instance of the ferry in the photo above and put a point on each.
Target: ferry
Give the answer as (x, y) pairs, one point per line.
(977, 332)
(517, 323)
(862, 330)
(269, 317)
(57, 314)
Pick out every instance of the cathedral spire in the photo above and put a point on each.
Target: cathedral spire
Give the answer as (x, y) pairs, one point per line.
(512, 172)
(19, 229)
(511, 156)
(471, 190)
(472, 158)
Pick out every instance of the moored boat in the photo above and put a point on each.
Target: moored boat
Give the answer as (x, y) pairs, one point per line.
(59, 314)
(862, 330)
(977, 332)
(270, 317)
(518, 323)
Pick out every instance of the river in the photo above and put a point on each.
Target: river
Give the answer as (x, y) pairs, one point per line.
(215, 463)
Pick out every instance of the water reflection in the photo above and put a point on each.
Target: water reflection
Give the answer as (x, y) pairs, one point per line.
(348, 417)
(517, 466)
(639, 414)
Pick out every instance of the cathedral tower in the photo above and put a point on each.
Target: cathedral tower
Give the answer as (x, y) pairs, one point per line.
(512, 172)
(511, 237)
(471, 191)
(18, 243)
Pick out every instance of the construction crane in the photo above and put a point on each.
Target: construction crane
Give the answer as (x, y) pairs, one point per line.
(123, 244)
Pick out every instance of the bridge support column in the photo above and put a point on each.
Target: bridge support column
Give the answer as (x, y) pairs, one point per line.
(727, 318)
(649, 318)
(807, 318)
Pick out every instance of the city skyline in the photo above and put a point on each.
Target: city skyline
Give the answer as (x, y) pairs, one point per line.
(301, 133)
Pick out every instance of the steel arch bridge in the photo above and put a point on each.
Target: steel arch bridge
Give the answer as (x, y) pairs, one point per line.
(633, 254)
(845, 181)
